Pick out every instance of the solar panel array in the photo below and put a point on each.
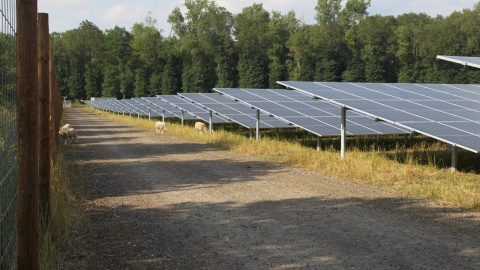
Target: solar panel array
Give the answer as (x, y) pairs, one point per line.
(316, 116)
(234, 110)
(450, 113)
(193, 109)
(463, 60)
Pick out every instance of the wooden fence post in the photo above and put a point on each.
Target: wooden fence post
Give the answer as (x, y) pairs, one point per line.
(43, 44)
(27, 94)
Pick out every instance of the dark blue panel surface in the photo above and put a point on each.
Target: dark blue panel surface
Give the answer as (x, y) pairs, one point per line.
(233, 110)
(307, 112)
(430, 109)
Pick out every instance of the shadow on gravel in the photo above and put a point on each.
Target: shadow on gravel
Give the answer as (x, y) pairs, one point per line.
(311, 233)
(133, 176)
(296, 233)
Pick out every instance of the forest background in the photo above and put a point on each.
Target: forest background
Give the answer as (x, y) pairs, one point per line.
(211, 47)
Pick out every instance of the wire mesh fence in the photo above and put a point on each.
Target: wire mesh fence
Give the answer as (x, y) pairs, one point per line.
(8, 134)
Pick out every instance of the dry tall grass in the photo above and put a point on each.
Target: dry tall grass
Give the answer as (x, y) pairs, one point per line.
(55, 235)
(412, 171)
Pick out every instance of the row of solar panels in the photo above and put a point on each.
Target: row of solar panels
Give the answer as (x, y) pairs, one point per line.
(450, 113)
(276, 109)
(447, 112)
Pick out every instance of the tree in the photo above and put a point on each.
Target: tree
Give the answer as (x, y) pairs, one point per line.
(354, 12)
(172, 71)
(119, 59)
(411, 32)
(378, 43)
(204, 33)
(251, 32)
(281, 27)
(300, 62)
(111, 82)
(92, 40)
(148, 62)
(80, 58)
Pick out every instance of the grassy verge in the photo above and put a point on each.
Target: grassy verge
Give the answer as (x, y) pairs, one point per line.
(57, 239)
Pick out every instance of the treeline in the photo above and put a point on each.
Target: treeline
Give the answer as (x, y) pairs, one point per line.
(211, 47)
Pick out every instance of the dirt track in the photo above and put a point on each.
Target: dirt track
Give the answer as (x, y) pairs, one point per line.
(158, 202)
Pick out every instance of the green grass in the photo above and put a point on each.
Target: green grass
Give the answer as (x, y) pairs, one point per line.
(421, 170)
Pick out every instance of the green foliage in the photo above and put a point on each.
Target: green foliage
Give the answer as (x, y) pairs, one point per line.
(281, 27)
(140, 89)
(118, 67)
(211, 47)
(111, 83)
(8, 87)
(205, 43)
(301, 64)
(251, 32)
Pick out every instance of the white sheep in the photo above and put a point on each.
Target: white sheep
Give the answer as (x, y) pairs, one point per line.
(160, 127)
(200, 127)
(68, 133)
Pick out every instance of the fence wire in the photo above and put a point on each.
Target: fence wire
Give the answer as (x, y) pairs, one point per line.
(8, 134)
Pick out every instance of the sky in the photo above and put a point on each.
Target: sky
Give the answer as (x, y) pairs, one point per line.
(106, 14)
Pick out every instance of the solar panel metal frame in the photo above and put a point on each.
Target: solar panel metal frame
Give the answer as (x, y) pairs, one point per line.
(193, 109)
(462, 60)
(318, 126)
(119, 107)
(139, 106)
(447, 106)
(173, 110)
(133, 106)
(243, 115)
(156, 111)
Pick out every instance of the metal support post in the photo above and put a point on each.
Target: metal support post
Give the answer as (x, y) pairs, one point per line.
(453, 167)
(343, 132)
(258, 124)
(183, 116)
(210, 122)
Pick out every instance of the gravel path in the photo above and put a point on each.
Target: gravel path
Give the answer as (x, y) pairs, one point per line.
(158, 202)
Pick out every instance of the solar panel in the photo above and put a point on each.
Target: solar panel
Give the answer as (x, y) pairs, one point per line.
(234, 111)
(463, 60)
(101, 105)
(155, 111)
(169, 108)
(432, 114)
(119, 107)
(145, 111)
(193, 109)
(316, 116)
